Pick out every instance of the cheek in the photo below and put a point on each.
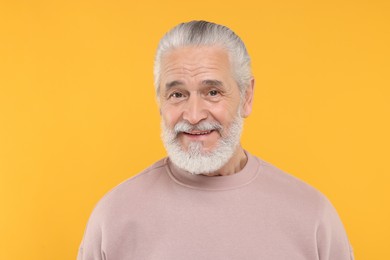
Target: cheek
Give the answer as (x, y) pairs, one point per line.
(225, 114)
(170, 116)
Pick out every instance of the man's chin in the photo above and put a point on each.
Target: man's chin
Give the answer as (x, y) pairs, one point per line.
(198, 161)
(197, 149)
(202, 156)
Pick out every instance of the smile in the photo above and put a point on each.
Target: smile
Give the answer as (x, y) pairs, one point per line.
(199, 133)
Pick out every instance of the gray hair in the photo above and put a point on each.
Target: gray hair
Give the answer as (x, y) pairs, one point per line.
(203, 33)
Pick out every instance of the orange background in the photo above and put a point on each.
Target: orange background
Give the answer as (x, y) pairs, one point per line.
(78, 113)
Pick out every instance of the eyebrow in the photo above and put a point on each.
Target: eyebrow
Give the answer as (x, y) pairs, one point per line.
(172, 84)
(212, 83)
(207, 82)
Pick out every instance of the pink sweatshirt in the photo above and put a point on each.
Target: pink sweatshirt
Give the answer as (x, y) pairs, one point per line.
(257, 213)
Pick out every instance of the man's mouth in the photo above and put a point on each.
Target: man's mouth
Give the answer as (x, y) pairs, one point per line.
(198, 132)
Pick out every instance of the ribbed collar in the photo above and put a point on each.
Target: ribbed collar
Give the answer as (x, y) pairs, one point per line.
(202, 182)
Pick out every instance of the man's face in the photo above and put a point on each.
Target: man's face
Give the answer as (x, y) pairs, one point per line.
(200, 98)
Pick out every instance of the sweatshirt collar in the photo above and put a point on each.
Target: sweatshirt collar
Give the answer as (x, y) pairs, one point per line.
(203, 182)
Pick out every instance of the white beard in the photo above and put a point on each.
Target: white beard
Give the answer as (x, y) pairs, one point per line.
(195, 160)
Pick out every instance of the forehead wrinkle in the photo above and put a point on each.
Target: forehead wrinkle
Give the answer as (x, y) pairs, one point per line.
(190, 64)
(176, 68)
(203, 70)
(193, 73)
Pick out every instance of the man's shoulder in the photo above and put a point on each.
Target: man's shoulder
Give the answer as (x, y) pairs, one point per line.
(283, 185)
(153, 171)
(132, 189)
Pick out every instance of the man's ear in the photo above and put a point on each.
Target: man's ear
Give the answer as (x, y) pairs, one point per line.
(248, 99)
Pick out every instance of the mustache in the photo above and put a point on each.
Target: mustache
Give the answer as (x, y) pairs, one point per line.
(184, 126)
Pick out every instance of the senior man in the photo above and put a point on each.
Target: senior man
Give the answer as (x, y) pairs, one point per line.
(210, 199)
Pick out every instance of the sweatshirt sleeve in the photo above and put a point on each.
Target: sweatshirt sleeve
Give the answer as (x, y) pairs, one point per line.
(332, 240)
(91, 245)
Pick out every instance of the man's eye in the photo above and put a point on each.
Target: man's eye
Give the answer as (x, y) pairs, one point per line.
(176, 95)
(213, 93)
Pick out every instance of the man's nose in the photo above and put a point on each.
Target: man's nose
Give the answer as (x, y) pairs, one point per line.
(195, 110)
